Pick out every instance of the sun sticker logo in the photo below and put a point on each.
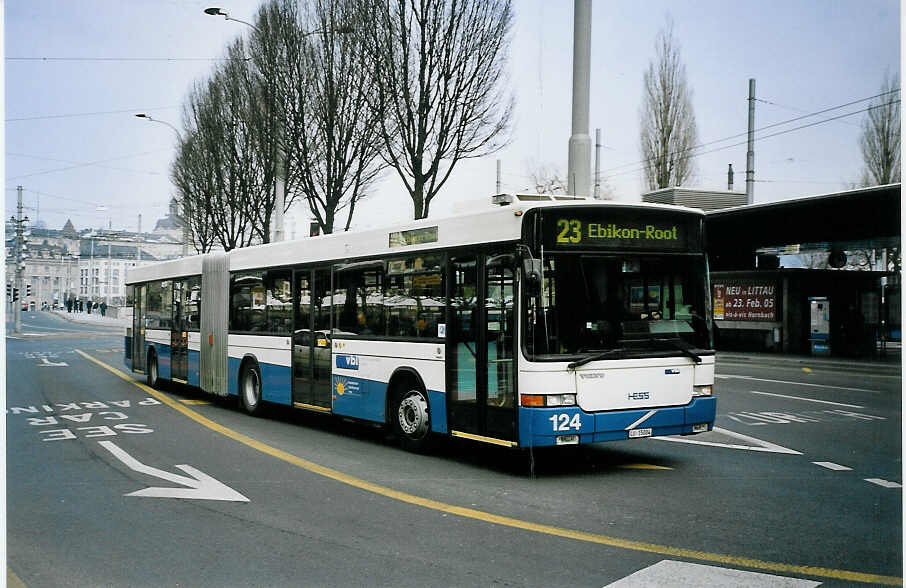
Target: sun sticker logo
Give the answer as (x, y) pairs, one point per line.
(339, 386)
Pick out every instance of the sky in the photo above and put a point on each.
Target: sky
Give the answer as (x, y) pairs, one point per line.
(76, 73)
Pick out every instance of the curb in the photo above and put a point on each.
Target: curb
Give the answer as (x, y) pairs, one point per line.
(892, 366)
(103, 323)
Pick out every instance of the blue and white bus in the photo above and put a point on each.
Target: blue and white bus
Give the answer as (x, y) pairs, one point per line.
(536, 321)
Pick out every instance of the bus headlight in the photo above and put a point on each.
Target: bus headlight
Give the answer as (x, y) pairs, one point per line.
(561, 400)
(702, 390)
(541, 400)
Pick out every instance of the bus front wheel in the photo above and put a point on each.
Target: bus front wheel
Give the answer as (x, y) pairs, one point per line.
(250, 388)
(411, 420)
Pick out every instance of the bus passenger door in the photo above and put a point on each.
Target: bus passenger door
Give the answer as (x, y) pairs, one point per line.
(500, 328)
(138, 330)
(179, 337)
(480, 365)
(311, 340)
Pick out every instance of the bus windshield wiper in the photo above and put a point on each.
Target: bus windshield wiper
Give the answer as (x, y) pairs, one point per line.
(681, 346)
(595, 357)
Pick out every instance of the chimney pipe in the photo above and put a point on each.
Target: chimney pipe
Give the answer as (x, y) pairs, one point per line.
(730, 178)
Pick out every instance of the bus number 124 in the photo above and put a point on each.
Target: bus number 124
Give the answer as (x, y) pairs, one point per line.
(562, 422)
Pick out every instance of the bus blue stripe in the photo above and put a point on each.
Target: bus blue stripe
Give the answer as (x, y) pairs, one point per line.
(537, 428)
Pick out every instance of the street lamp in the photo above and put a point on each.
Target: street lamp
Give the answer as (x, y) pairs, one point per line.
(185, 217)
(215, 11)
(163, 122)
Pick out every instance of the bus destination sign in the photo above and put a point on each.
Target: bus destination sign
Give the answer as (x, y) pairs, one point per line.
(645, 232)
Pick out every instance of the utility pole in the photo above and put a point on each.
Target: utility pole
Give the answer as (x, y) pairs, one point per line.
(20, 260)
(750, 150)
(498, 178)
(597, 192)
(109, 272)
(579, 174)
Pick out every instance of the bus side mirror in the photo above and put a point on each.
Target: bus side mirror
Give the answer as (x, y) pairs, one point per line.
(531, 271)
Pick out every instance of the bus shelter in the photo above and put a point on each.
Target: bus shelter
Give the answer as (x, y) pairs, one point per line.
(815, 275)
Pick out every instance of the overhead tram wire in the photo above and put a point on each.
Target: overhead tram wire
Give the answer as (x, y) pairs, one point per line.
(86, 164)
(696, 147)
(770, 126)
(113, 59)
(77, 114)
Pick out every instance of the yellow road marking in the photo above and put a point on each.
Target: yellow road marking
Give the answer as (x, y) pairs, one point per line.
(471, 513)
(194, 402)
(12, 580)
(643, 466)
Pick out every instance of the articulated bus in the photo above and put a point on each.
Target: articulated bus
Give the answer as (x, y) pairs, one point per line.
(536, 321)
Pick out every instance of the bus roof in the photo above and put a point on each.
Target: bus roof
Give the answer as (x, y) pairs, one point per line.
(494, 223)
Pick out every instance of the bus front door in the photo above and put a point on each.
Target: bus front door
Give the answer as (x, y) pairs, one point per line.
(138, 330)
(480, 351)
(311, 340)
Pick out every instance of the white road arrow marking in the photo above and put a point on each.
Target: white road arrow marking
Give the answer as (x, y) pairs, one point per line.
(47, 363)
(199, 486)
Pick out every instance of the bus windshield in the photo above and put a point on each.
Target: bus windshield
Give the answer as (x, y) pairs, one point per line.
(634, 305)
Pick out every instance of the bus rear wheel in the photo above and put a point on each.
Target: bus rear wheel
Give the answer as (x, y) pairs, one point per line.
(153, 371)
(412, 421)
(250, 388)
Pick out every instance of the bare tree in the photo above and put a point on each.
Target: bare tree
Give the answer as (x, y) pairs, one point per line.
(439, 75)
(667, 130)
(224, 155)
(547, 179)
(331, 134)
(880, 141)
(193, 180)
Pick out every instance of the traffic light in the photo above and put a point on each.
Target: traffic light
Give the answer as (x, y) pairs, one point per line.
(9, 291)
(27, 290)
(15, 294)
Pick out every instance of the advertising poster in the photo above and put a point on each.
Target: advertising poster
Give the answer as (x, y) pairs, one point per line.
(745, 301)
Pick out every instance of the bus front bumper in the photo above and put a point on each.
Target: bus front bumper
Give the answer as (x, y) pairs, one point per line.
(570, 425)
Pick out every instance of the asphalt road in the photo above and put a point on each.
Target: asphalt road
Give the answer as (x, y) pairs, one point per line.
(799, 486)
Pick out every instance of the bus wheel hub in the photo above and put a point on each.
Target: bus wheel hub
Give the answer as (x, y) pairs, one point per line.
(413, 415)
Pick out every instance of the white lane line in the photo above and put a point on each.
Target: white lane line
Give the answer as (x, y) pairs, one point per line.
(883, 483)
(757, 444)
(729, 377)
(806, 399)
(679, 574)
(832, 466)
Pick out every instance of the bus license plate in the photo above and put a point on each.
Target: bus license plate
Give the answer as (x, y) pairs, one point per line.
(639, 433)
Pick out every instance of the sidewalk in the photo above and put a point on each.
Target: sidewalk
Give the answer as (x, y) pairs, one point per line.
(95, 318)
(889, 365)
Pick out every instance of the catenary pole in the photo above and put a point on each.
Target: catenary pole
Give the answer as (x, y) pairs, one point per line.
(579, 172)
(750, 150)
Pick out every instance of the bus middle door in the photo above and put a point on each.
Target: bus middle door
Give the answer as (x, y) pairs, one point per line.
(311, 340)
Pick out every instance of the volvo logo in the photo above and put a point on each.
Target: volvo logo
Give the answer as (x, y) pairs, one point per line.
(591, 376)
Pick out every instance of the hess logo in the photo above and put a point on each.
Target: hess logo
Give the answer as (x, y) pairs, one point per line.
(639, 396)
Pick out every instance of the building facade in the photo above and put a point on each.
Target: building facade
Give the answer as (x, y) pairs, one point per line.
(88, 265)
